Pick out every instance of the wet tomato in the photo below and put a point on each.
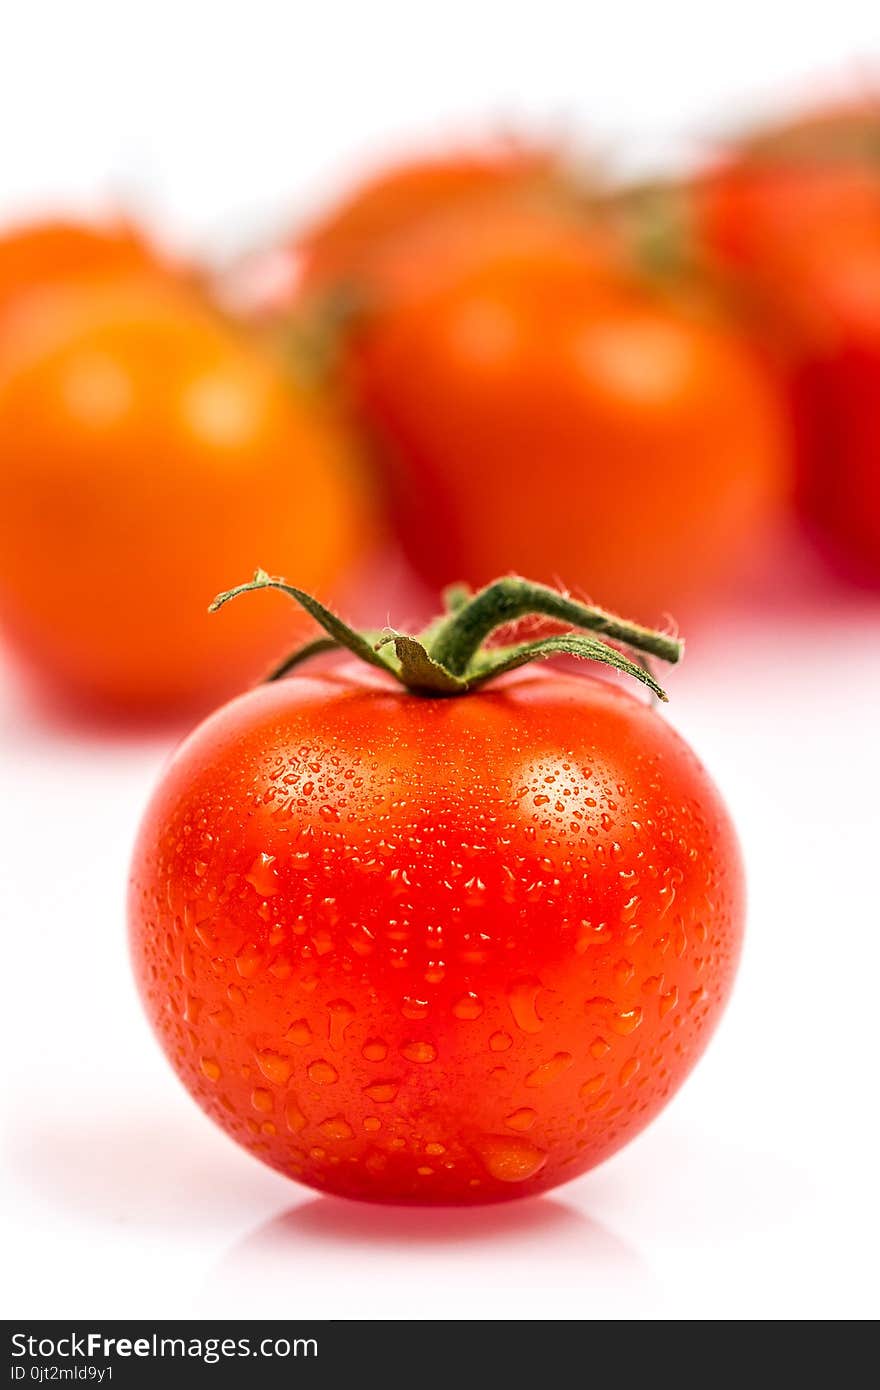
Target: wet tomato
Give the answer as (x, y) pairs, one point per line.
(148, 449)
(412, 948)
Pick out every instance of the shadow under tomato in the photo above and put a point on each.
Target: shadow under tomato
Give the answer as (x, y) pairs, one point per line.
(336, 1221)
(362, 1259)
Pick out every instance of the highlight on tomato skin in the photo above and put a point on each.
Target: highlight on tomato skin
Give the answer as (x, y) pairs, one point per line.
(434, 949)
(148, 445)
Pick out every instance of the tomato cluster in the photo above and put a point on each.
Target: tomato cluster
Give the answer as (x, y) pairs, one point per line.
(474, 354)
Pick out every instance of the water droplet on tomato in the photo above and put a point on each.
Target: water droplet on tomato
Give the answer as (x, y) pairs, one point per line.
(341, 1014)
(336, 1127)
(262, 876)
(551, 1070)
(628, 1070)
(500, 1041)
(600, 1102)
(591, 1087)
(627, 1021)
(193, 1008)
(510, 1160)
(274, 1067)
(591, 934)
(293, 1116)
(210, 1068)
(468, 1006)
(323, 1072)
(299, 1033)
(248, 960)
(521, 1119)
(375, 1050)
(414, 1008)
(522, 999)
(668, 1001)
(624, 971)
(419, 1051)
(382, 1091)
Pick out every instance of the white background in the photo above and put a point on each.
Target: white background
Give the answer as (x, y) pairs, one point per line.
(755, 1194)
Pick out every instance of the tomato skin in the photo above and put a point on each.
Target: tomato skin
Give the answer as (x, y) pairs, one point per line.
(427, 950)
(834, 398)
(150, 454)
(41, 253)
(371, 227)
(537, 416)
(798, 239)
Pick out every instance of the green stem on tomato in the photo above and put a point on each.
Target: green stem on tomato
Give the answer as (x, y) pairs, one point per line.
(450, 657)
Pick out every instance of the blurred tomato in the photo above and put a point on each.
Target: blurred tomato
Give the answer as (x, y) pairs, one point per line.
(363, 236)
(793, 222)
(39, 253)
(539, 409)
(149, 452)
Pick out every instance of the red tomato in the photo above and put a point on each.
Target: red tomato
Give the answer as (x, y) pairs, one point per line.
(538, 410)
(149, 450)
(794, 224)
(425, 949)
(771, 228)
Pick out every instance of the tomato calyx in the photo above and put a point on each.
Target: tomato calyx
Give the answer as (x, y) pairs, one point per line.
(450, 657)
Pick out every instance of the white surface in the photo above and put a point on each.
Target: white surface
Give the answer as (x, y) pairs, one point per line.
(213, 119)
(753, 1195)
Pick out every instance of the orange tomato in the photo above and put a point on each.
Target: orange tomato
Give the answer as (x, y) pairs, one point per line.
(149, 452)
(38, 253)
